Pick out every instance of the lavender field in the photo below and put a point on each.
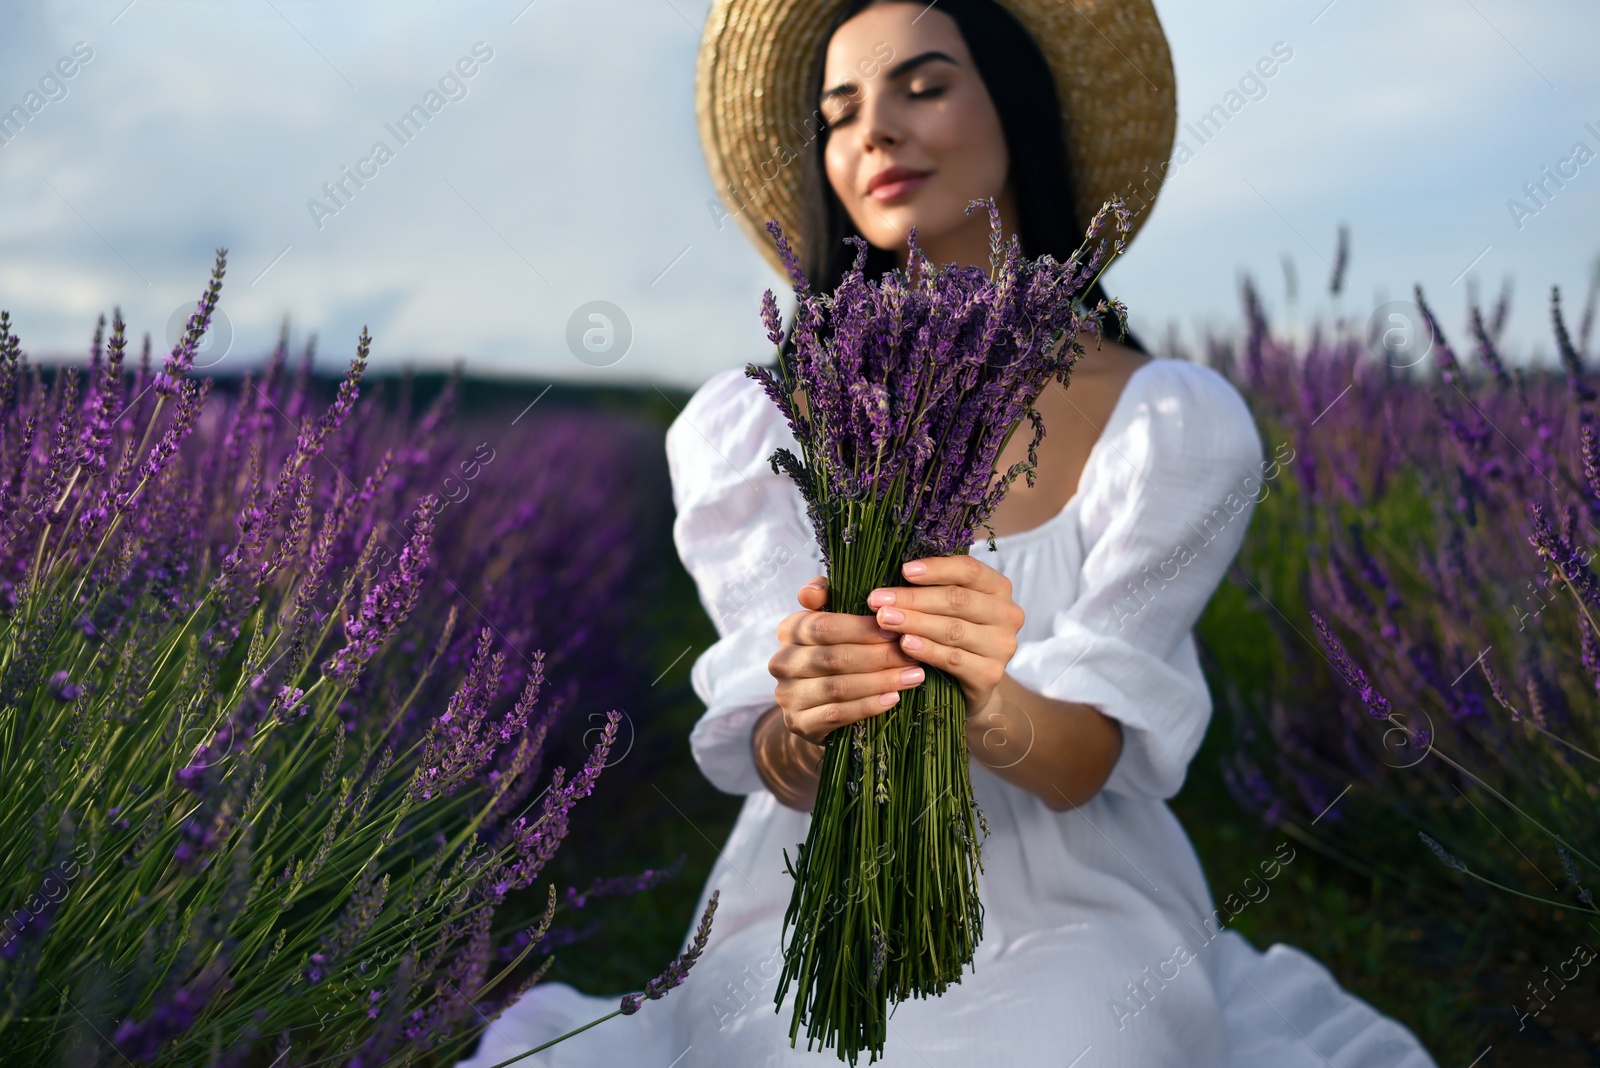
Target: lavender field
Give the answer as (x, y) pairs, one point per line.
(315, 600)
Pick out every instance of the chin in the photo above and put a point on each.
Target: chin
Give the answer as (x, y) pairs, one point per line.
(934, 222)
(892, 229)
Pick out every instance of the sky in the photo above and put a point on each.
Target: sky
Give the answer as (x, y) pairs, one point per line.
(565, 175)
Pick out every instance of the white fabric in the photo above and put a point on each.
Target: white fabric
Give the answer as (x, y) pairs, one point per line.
(1102, 945)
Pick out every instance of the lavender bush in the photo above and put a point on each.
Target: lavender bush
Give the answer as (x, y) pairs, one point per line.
(902, 394)
(1429, 685)
(269, 775)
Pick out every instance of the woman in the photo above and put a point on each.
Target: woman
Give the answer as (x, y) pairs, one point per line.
(1073, 643)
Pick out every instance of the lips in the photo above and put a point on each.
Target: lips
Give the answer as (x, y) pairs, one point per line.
(892, 182)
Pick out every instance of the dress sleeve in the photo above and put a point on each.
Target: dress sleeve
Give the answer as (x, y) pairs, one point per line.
(743, 534)
(1176, 485)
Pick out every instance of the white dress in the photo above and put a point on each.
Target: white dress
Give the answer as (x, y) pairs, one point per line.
(1101, 945)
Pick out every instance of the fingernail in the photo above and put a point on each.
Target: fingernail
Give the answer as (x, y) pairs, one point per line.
(888, 698)
(891, 615)
(911, 674)
(879, 598)
(915, 567)
(912, 642)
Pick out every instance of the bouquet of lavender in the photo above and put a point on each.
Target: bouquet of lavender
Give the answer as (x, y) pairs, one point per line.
(902, 393)
(256, 810)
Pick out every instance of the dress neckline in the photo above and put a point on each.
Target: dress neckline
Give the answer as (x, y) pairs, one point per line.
(1017, 537)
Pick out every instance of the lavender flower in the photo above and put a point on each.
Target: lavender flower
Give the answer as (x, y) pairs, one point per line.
(1438, 850)
(62, 688)
(625, 885)
(678, 970)
(1376, 703)
(1449, 366)
(182, 357)
(1250, 788)
(173, 1015)
(1499, 694)
(1589, 652)
(1341, 260)
(1571, 362)
(1488, 354)
(880, 953)
(1584, 893)
(1563, 555)
(533, 845)
(389, 601)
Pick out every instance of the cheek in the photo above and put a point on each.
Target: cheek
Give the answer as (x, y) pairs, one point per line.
(840, 164)
(966, 144)
(986, 155)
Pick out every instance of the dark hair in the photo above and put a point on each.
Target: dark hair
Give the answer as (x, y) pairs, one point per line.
(1020, 82)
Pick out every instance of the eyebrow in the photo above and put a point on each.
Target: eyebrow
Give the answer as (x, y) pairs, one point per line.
(849, 88)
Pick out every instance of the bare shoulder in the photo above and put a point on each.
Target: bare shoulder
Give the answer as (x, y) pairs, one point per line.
(1106, 360)
(1099, 375)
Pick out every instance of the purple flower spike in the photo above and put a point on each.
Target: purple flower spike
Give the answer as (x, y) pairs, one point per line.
(182, 357)
(1584, 893)
(626, 885)
(678, 970)
(1565, 556)
(172, 1017)
(62, 688)
(880, 953)
(1376, 703)
(389, 601)
(1439, 851)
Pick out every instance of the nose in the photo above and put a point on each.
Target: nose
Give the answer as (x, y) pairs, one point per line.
(879, 127)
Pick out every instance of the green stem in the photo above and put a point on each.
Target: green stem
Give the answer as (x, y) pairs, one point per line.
(1513, 807)
(1530, 897)
(561, 1038)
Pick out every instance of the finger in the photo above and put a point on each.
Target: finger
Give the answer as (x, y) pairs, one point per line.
(813, 597)
(977, 670)
(957, 570)
(858, 697)
(961, 602)
(985, 640)
(817, 661)
(832, 628)
(823, 690)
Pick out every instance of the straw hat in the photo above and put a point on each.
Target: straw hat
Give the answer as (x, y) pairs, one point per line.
(1112, 68)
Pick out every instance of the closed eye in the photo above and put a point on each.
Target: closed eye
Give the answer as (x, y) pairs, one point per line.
(924, 94)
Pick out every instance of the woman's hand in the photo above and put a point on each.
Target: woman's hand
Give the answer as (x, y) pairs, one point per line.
(959, 618)
(834, 668)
